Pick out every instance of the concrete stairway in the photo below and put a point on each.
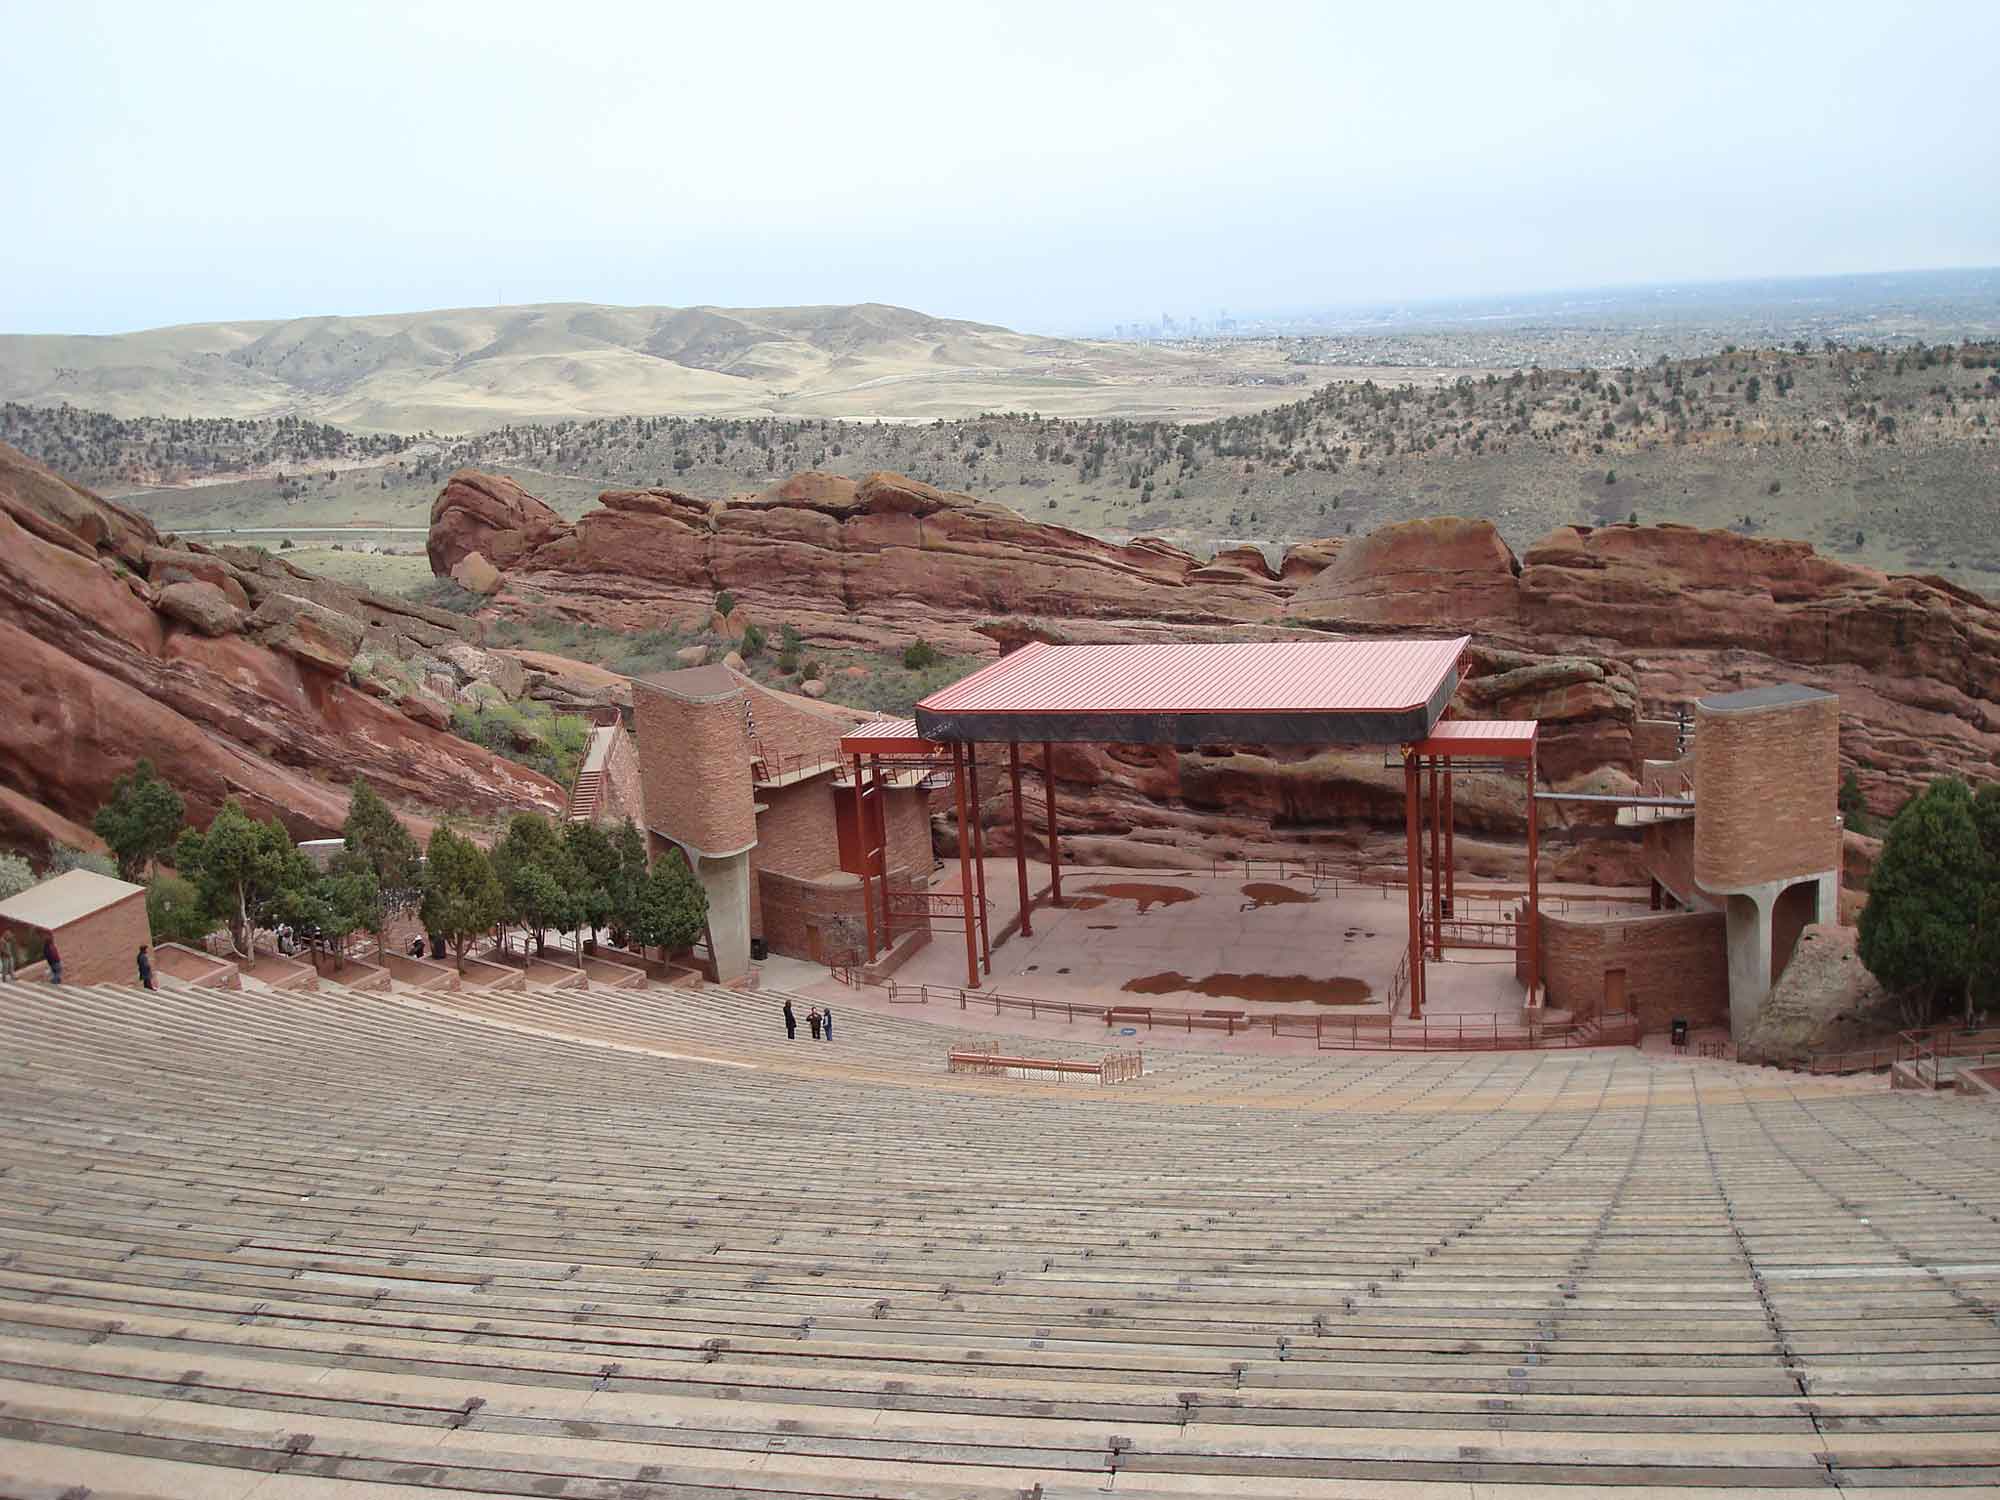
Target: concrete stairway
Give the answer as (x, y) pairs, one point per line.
(633, 1243)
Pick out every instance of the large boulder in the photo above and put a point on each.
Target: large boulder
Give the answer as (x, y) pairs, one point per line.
(203, 606)
(166, 566)
(1416, 573)
(1825, 1001)
(475, 574)
(489, 514)
(308, 632)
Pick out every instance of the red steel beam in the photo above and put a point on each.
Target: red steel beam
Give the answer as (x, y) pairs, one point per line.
(979, 859)
(1437, 888)
(1020, 834)
(1049, 796)
(1534, 898)
(1450, 860)
(1412, 828)
(965, 869)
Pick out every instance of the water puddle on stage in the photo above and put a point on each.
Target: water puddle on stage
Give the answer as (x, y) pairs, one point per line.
(1147, 894)
(1268, 988)
(1259, 894)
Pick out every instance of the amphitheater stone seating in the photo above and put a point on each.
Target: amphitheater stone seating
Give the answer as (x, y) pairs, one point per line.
(630, 1242)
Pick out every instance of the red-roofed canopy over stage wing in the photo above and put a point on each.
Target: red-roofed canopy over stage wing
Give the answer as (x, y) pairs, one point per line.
(1378, 692)
(1239, 692)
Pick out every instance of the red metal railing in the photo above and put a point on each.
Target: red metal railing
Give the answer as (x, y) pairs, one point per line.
(1376, 1033)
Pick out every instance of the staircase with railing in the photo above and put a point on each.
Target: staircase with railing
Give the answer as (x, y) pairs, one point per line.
(586, 794)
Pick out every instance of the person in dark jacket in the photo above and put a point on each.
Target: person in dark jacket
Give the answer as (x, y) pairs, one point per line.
(55, 960)
(826, 1024)
(791, 1023)
(146, 968)
(812, 1020)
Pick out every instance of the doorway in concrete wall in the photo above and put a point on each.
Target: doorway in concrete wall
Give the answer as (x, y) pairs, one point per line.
(1614, 993)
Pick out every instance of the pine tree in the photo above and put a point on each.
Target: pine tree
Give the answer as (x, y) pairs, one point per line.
(462, 897)
(673, 910)
(1918, 931)
(141, 820)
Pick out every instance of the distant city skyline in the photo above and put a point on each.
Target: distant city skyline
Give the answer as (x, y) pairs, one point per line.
(1040, 166)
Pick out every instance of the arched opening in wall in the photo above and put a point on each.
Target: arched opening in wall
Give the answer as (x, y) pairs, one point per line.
(1795, 907)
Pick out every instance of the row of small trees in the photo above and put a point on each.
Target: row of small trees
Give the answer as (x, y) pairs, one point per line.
(573, 878)
(245, 874)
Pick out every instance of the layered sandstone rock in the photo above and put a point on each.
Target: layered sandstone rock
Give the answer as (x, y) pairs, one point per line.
(1590, 630)
(104, 665)
(488, 514)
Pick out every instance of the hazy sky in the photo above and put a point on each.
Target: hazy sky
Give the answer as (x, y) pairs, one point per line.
(1049, 166)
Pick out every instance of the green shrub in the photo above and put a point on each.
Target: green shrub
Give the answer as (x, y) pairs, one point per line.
(62, 859)
(918, 655)
(753, 640)
(528, 733)
(16, 875)
(447, 594)
(175, 912)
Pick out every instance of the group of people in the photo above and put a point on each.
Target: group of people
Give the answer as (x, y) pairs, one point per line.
(10, 960)
(821, 1022)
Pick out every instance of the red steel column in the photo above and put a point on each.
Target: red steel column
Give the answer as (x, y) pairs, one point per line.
(1534, 903)
(1020, 834)
(979, 859)
(1450, 862)
(861, 843)
(965, 869)
(1437, 866)
(1413, 828)
(1049, 795)
(888, 922)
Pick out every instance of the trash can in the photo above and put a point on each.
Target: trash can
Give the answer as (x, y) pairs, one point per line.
(759, 950)
(1679, 1033)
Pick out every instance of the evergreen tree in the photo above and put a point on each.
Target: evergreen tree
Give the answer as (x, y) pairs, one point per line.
(141, 820)
(627, 885)
(673, 908)
(540, 880)
(246, 871)
(1919, 930)
(352, 898)
(375, 833)
(462, 897)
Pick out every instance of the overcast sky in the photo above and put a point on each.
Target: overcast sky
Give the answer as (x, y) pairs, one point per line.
(1053, 167)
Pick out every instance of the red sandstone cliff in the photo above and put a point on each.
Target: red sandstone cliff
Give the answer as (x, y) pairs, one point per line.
(235, 673)
(1589, 631)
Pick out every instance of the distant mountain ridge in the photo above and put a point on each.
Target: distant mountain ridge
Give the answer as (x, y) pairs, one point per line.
(469, 369)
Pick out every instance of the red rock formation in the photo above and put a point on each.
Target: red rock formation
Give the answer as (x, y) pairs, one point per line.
(488, 514)
(877, 561)
(1589, 630)
(99, 675)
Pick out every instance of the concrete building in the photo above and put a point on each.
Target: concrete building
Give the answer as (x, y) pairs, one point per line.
(750, 785)
(1742, 838)
(98, 923)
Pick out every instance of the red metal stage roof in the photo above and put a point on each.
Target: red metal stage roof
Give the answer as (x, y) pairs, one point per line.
(1328, 692)
(1487, 739)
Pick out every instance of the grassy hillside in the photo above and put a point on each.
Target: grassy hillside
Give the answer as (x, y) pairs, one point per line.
(1886, 457)
(468, 369)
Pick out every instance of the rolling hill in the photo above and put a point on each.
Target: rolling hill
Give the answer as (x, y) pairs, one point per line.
(472, 369)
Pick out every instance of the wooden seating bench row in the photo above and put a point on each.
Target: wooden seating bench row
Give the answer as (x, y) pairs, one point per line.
(1119, 1068)
(537, 1244)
